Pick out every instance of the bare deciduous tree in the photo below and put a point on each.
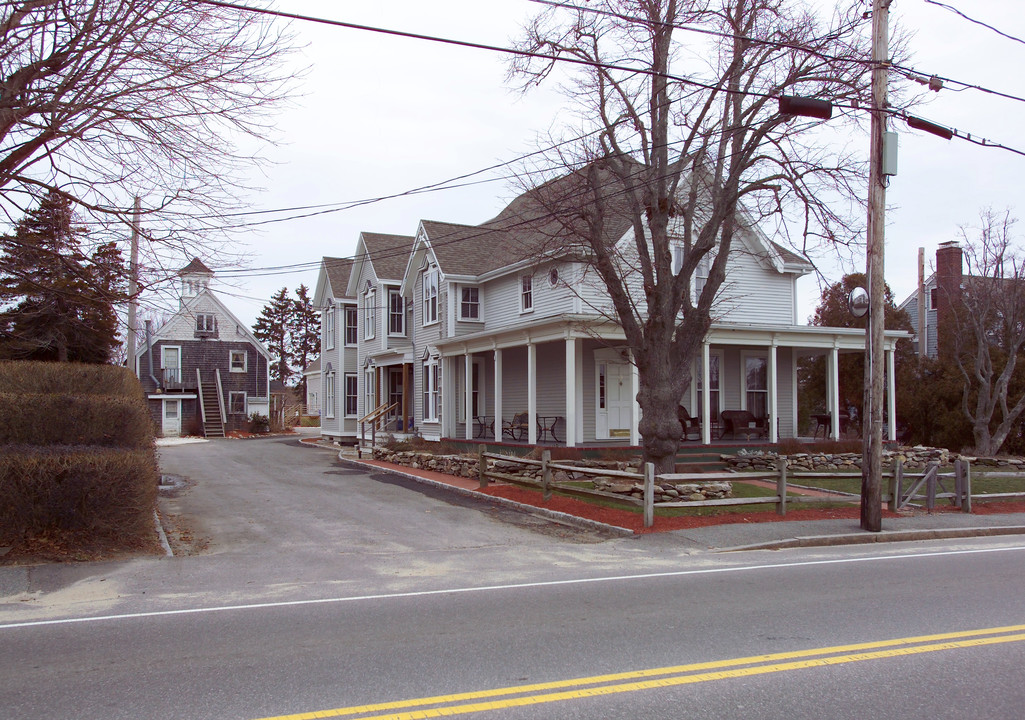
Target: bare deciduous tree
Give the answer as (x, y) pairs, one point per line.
(102, 100)
(989, 330)
(687, 150)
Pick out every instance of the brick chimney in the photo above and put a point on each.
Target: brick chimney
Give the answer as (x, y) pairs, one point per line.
(949, 270)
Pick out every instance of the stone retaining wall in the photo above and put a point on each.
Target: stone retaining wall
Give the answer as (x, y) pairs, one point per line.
(466, 466)
(914, 458)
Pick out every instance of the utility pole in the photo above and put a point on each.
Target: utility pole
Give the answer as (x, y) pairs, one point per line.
(872, 432)
(133, 286)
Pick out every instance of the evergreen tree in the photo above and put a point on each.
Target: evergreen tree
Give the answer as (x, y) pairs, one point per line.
(304, 333)
(272, 329)
(58, 304)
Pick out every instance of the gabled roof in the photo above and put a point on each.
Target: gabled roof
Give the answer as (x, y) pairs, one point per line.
(188, 309)
(196, 266)
(387, 254)
(332, 280)
(313, 368)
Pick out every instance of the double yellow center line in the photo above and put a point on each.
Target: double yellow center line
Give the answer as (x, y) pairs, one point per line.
(653, 678)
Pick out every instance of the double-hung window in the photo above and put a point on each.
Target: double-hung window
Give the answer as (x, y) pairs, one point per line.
(396, 313)
(329, 395)
(237, 361)
(237, 402)
(430, 296)
(431, 389)
(369, 314)
(351, 321)
(329, 328)
(351, 395)
(469, 303)
(526, 293)
(206, 324)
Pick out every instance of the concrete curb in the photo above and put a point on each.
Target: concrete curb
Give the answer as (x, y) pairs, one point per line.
(559, 517)
(881, 537)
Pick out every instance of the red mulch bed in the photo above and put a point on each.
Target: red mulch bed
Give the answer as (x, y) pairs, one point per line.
(635, 521)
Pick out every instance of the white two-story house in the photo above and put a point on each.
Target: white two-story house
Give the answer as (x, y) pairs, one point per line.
(462, 328)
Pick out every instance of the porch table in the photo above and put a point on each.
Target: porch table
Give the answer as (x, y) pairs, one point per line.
(546, 426)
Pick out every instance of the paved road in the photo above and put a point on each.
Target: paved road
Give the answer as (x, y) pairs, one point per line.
(375, 593)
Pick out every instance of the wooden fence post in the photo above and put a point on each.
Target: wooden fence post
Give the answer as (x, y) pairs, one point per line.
(930, 486)
(966, 506)
(781, 487)
(546, 475)
(482, 467)
(958, 482)
(649, 494)
(895, 483)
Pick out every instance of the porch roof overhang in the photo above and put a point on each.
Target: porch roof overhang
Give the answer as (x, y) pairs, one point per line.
(389, 357)
(569, 326)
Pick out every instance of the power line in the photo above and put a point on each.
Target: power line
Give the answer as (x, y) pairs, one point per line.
(954, 10)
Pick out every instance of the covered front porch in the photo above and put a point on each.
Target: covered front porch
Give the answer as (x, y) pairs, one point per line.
(572, 383)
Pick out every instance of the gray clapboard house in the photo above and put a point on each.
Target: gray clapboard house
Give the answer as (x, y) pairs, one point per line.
(202, 370)
(498, 332)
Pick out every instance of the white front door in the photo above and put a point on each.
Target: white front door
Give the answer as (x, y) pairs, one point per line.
(172, 422)
(170, 363)
(614, 400)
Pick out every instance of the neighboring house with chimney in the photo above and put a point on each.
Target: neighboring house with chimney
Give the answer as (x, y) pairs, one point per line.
(930, 307)
(202, 371)
(497, 331)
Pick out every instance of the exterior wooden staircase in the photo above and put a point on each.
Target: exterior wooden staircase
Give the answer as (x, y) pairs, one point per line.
(212, 425)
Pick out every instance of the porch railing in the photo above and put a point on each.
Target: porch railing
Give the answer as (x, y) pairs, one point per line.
(378, 416)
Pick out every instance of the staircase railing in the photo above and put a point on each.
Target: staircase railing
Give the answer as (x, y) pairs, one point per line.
(199, 390)
(373, 417)
(220, 397)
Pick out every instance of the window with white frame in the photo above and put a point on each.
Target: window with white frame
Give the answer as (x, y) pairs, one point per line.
(701, 275)
(351, 322)
(369, 314)
(469, 303)
(430, 296)
(351, 395)
(756, 385)
(431, 387)
(237, 402)
(526, 293)
(237, 361)
(396, 313)
(329, 328)
(329, 394)
(369, 391)
(715, 362)
(206, 323)
(677, 258)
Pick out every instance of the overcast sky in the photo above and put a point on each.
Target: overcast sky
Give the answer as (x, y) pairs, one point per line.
(382, 115)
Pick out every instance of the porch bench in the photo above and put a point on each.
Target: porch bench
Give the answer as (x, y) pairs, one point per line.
(688, 424)
(743, 421)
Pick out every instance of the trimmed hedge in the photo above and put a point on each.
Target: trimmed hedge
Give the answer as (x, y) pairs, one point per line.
(66, 378)
(106, 493)
(77, 460)
(107, 421)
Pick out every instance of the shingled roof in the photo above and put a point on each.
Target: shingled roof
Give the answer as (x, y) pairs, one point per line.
(196, 266)
(338, 270)
(388, 253)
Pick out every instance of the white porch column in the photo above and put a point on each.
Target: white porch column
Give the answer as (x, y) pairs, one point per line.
(891, 397)
(834, 392)
(706, 396)
(532, 393)
(773, 402)
(468, 388)
(498, 394)
(635, 408)
(579, 350)
(571, 392)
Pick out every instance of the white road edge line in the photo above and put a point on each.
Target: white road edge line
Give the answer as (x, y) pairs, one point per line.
(489, 588)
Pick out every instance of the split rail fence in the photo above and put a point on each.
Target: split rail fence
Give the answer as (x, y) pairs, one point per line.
(903, 489)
